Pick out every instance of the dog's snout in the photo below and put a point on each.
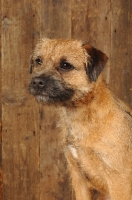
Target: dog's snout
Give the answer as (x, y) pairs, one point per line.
(38, 82)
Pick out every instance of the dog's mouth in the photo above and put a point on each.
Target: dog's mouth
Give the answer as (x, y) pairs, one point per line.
(42, 98)
(50, 90)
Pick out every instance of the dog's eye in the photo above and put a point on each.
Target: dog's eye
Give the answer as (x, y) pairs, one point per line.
(39, 61)
(66, 66)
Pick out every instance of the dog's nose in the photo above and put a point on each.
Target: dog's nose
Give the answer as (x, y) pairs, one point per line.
(38, 82)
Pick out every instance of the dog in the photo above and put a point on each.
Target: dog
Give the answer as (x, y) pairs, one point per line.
(96, 126)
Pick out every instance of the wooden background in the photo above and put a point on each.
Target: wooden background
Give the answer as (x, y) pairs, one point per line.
(33, 167)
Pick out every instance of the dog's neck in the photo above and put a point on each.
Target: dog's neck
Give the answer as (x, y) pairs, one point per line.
(97, 98)
(98, 93)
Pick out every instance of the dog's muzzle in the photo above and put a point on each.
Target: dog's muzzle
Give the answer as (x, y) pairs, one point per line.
(49, 89)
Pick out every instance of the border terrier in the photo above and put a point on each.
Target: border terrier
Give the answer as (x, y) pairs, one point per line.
(96, 126)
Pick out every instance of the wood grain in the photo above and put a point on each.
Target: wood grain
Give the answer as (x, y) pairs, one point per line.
(121, 47)
(56, 19)
(20, 145)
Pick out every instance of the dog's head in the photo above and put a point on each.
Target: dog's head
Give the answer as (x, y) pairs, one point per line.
(64, 70)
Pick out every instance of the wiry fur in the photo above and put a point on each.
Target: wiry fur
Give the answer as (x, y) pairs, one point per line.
(96, 126)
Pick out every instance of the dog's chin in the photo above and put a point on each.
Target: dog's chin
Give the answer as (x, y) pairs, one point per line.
(42, 98)
(47, 99)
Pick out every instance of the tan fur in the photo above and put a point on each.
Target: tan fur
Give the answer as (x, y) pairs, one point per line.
(96, 126)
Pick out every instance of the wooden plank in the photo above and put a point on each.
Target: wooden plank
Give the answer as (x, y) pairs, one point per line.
(56, 19)
(79, 20)
(121, 48)
(21, 174)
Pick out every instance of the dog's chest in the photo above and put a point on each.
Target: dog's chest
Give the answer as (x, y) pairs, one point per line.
(75, 128)
(76, 132)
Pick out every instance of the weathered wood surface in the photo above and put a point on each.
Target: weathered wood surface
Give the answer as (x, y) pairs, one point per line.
(20, 149)
(34, 168)
(121, 50)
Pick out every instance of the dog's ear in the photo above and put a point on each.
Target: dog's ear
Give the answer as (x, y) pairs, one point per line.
(96, 62)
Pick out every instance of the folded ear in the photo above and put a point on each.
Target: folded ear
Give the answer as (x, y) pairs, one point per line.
(96, 62)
